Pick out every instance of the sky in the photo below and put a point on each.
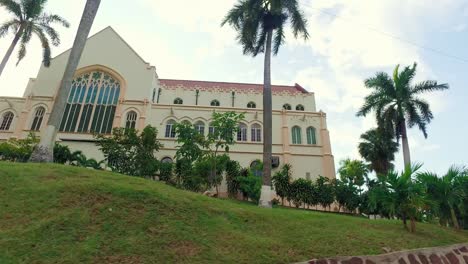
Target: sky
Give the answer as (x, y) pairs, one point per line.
(349, 42)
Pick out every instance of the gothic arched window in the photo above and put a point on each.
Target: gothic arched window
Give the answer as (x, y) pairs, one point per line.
(91, 103)
(299, 108)
(6, 120)
(251, 105)
(287, 107)
(296, 135)
(200, 127)
(242, 132)
(38, 116)
(311, 136)
(178, 101)
(170, 129)
(131, 120)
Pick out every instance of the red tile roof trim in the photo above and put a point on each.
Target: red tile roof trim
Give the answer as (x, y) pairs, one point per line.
(241, 87)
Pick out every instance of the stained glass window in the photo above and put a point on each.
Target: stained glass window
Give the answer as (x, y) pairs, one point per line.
(91, 104)
(6, 120)
(38, 116)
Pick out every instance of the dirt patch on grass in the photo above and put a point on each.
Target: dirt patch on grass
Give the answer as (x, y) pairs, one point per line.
(119, 260)
(184, 248)
(87, 200)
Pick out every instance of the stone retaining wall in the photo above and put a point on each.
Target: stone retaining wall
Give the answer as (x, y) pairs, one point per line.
(455, 254)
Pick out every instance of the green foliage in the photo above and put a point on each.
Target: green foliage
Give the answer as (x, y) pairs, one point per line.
(253, 20)
(18, 150)
(378, 148)
(281, 182)
(29, 18)
(346, 195)
(62, 154)
(250, 186)
(233, 171)
(354, 171)
(190, 142)
(298, 191)
(130, 153)
(165, 171)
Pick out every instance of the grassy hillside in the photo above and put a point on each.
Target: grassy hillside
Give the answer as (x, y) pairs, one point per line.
(51, 213)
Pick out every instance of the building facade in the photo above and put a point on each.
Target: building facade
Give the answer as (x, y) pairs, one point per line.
(115, 87)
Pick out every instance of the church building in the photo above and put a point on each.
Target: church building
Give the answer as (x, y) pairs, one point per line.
(115, 87)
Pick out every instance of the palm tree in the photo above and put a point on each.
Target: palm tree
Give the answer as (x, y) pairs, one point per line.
(29, 18)
(378, 148)
(44, 151)
(402, 196)
(445, 193)
(259, 23)
(353, 171)
(396, 103)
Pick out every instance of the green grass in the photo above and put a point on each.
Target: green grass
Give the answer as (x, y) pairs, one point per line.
(59, 214)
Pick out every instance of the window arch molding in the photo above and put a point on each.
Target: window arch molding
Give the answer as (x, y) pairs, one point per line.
(7, 120)
(37, 117)
(93, 104)
(125, 114)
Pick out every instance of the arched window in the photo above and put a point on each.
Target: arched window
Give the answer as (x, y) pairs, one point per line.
(6, 120)
(200, 127)
(211, 129)
(38, 116)
(131, 120)
(311, 136)
(242, 132)
(91, 103)
(287, 107)
(178, 101)
(256, 168)
(299, 108)
(214, 103)
(170, 129)
(296, 135)
(256, 133)
(251, 105)
(166, 160)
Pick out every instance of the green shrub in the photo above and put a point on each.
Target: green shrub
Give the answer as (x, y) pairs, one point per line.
(250, 186)
(18, 150)
(233, 171)
(165, 171)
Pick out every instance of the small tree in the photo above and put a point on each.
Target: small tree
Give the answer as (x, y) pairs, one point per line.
(250, 186)
(225, 126)
(130, 153)
(281, 182)
(325, 192)
(233, 171)
(190, 142)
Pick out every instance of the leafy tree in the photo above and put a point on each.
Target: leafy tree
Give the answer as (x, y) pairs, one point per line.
(298, 191)
(165, 171)
(29, 18)
(281, 182)
(222, 138)
(62, 153)
(354, 171)
(190, 142)
(250, 186)
(378, 148)
(445, 193)
(259, 23)
(130, 153)
(233, 171)
(397, 104)
(18, 150)
(346, 195)
(44, 151)
(325, 192)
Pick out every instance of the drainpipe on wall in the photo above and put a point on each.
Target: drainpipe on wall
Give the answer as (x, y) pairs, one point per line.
(197, 92)
(233, 98)
(159, 94)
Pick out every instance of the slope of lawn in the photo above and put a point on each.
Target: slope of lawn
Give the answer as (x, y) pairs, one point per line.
(60, 214)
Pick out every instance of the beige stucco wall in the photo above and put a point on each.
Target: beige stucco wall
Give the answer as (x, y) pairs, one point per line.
(138, 82)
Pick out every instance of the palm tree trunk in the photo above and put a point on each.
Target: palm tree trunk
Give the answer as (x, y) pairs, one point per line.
(454, 218)
(265, 197)
(44, 151)
(11, 49)
(404, 141)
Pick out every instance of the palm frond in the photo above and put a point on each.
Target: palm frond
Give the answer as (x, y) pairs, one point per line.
(9, 25)
(279, 39)
(46, 53)
(424, 109)
(298, 21)
(32, 9)
(414, 118)
(49, 19)
(12, 7)
(428, 86)
(52, 33)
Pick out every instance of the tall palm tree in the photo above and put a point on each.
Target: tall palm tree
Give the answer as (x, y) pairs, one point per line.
(378, 148)
(44, 151)
(445, 193)
(29, 18)
(259, 25)
(396, 103)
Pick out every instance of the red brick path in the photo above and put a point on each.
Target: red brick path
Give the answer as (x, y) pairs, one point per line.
(456, 254)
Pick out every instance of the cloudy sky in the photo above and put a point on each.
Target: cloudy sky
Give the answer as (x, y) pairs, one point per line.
(350, 41)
